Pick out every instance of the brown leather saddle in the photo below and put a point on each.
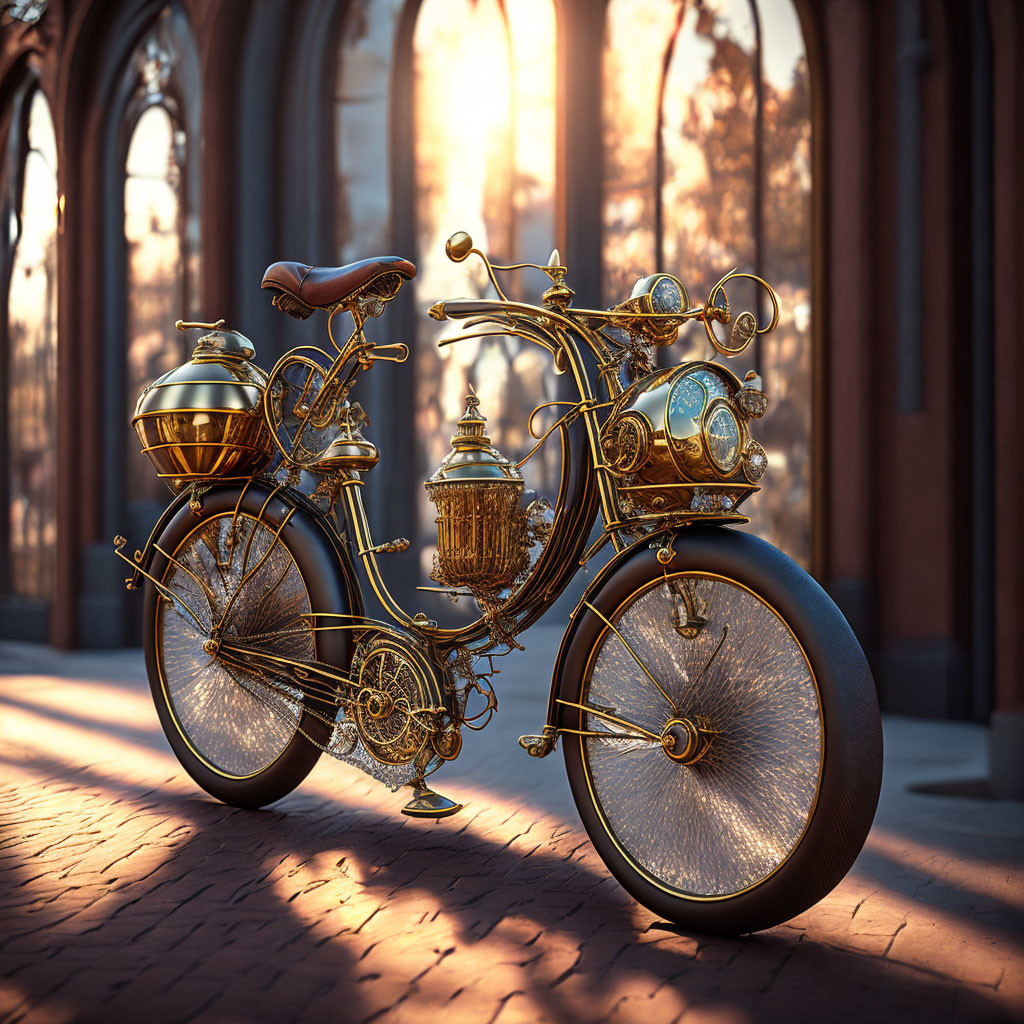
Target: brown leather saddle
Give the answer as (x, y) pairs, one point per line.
(299, 289)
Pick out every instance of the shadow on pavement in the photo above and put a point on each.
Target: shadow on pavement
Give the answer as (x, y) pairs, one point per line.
(208, 930)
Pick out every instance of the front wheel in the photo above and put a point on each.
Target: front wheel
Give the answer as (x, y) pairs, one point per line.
(724, 741)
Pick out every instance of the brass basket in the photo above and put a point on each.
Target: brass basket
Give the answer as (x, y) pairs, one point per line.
(481, 530)
(479, 535)
(205, 444)
(204, 419)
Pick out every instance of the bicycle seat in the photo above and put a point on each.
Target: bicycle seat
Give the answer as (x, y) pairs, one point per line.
(300, 288)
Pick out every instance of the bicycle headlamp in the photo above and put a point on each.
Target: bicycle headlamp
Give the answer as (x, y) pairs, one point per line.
(658, 294)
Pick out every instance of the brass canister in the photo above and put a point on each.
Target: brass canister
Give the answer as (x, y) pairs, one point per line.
(481, 530)
(204, 419)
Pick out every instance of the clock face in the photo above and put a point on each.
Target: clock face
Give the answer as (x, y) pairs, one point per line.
(667, 296)
(685, 405)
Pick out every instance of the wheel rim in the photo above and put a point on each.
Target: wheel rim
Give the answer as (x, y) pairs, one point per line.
(233, 721)
(727, 821)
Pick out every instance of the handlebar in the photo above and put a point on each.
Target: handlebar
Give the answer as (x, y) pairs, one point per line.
(636, 314)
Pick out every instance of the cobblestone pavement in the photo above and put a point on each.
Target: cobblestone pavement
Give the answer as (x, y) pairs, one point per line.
(127, 894)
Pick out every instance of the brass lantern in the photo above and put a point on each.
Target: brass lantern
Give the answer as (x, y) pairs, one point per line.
(481, 530)
(204, 419)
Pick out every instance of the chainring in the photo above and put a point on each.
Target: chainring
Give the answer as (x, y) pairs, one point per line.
(391, 706)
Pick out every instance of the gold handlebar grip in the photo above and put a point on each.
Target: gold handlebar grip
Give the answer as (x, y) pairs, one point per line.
(185, 325)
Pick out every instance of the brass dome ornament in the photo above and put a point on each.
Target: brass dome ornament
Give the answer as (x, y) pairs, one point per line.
(350, 452)
(481, 529)
(709, 739)
(679, 440)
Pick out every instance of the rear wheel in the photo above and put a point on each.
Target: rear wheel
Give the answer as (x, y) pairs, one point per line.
(728, 759)
(244, 737)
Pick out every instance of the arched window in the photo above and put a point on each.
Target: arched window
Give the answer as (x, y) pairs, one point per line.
(161, 223)
(362, 113)
(484, 117)
(707, 138)
(28, 374)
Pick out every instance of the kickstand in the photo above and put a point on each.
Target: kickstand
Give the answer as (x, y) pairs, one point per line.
(425, 803)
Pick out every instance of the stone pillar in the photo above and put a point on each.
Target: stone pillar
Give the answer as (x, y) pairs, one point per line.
(847, 568)
(1007, 739)
(579, 171)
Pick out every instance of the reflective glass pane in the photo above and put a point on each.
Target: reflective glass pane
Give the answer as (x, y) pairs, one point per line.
(362, 198)
(31, 456)
(708, 137)
(781, 512)
(716, 211)
(156, 282)
(636, 38)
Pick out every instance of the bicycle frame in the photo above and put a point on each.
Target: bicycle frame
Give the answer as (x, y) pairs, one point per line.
(579, 500)
(593, 477)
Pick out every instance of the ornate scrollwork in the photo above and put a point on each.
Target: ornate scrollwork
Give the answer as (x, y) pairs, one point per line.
(302, 405)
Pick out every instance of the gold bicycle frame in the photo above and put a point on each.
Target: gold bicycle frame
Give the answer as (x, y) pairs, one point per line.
(558, 328)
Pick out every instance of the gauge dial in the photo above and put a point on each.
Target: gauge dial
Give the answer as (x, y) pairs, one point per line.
(723, 434)
(660, 293)
(667, 296)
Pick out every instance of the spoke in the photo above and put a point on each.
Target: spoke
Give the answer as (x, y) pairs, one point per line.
(216, 558)
(165, 592)
(240, 707)
(612, 718)
(636, 657)
(201, 583)
(714, 654)
(255, 569)
(269, 593)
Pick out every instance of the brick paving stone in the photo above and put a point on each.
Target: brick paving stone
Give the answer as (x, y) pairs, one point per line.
(125, 889)
(666, 1004)
(954, 948)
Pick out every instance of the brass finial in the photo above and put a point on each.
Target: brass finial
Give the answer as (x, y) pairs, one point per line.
(469, 431)
(559, 295)
(458, 247)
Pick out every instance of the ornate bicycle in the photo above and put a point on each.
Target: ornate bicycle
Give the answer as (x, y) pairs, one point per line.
(717, 715)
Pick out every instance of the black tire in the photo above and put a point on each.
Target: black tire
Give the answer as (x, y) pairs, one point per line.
(306, 543)
(848, 770)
